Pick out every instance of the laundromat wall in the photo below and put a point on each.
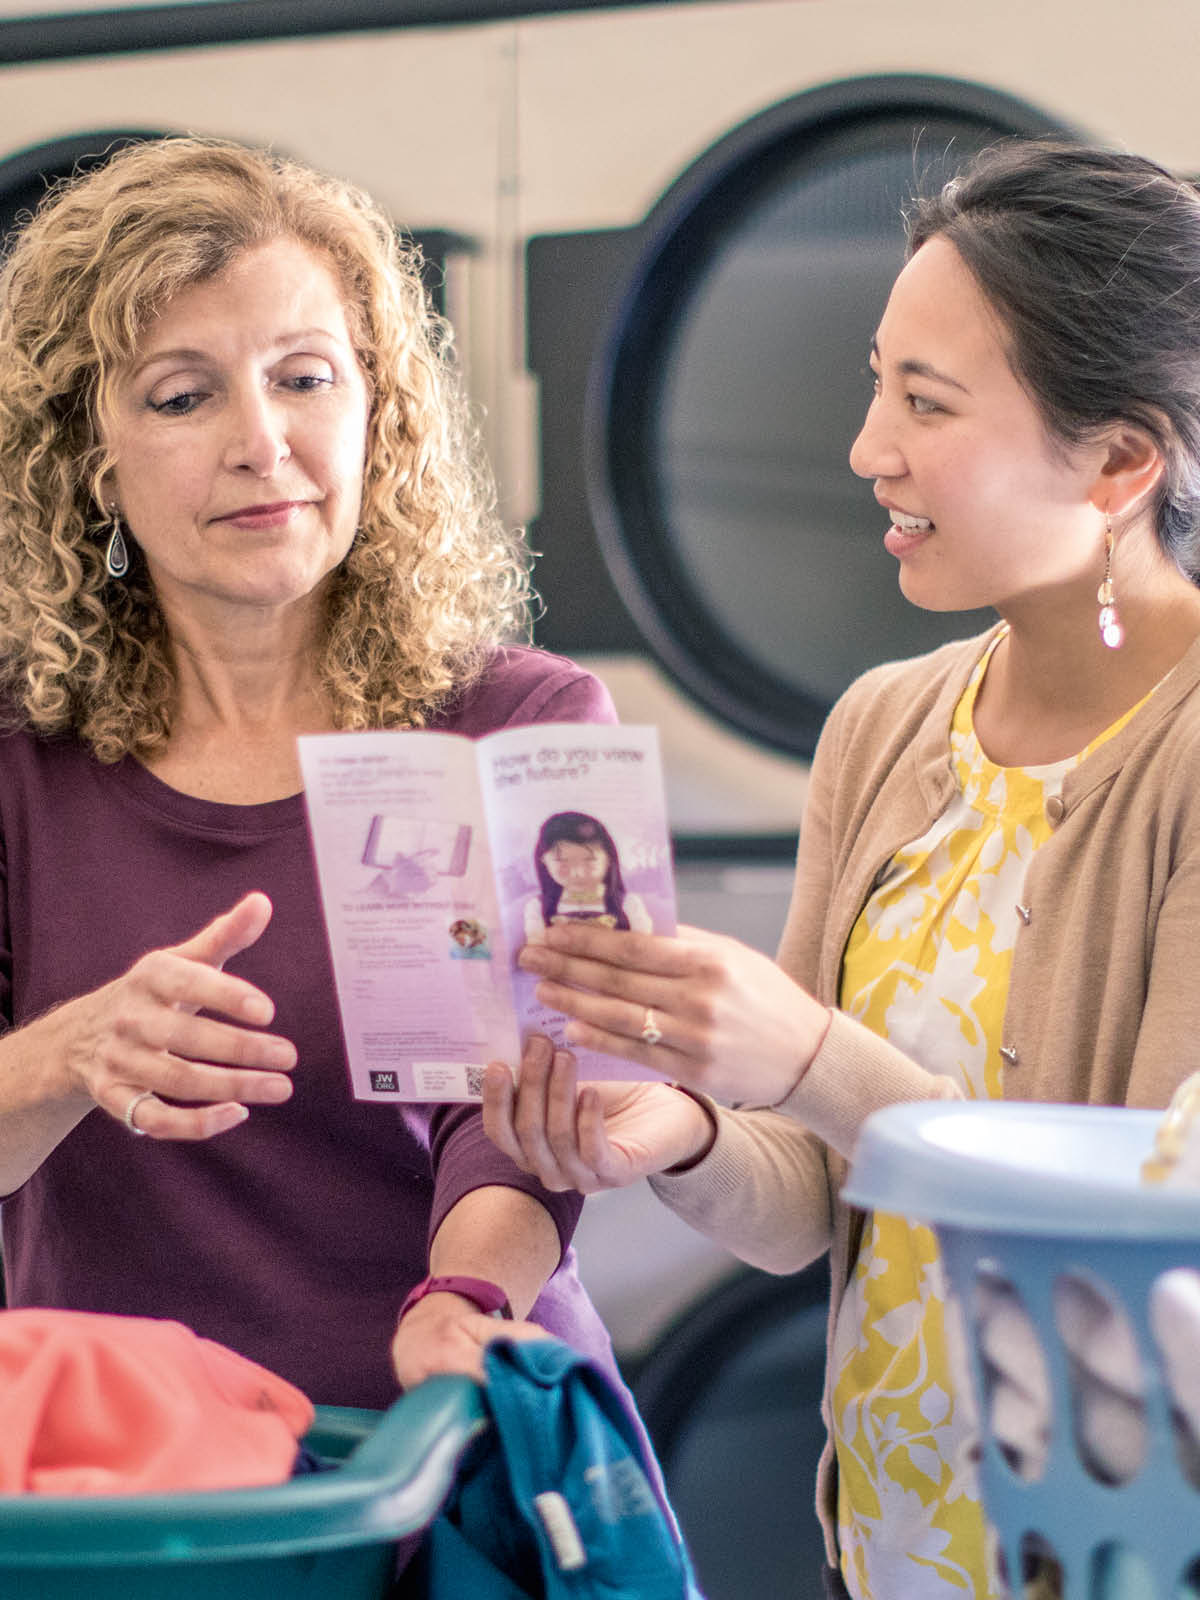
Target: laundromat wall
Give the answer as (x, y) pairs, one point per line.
(540, 158)
(502, 132)
(499, 136)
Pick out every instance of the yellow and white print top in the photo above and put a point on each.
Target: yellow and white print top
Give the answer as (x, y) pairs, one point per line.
(927, 967)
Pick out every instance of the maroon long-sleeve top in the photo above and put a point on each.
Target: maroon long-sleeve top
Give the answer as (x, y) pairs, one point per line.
(294, 1238)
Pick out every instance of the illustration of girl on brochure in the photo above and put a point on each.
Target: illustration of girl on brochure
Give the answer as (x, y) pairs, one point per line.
(579, 878)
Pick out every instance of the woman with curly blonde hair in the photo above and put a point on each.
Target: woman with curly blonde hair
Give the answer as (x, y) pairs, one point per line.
(240, 500)
(432, 580)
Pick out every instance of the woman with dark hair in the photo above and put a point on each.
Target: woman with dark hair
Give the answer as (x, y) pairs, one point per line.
(240, 500)
(998, 882)
(579, 879)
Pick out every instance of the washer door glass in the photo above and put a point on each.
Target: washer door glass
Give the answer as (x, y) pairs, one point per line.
(726, 502)
(26, 175)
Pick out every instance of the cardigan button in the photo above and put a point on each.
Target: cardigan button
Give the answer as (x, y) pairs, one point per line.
(1010, 1055)
(1025, 913)
(1056, 810)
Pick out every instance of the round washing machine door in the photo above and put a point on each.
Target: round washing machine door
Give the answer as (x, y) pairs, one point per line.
(727, 389)
(26, 175)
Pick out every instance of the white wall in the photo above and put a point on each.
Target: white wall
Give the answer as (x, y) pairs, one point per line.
(582, 120)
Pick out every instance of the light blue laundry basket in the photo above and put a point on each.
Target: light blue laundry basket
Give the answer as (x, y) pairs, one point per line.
(1028, 1194)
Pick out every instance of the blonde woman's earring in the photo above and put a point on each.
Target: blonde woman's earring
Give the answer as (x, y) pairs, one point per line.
(1111, 630)
(116, 556)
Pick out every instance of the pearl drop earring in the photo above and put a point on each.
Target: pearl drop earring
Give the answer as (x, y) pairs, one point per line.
(1111, 630)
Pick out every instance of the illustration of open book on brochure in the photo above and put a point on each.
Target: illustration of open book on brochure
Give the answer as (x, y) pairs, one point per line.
(439, 858)
(412, 854)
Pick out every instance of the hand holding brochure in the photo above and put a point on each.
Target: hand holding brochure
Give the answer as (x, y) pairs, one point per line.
(439, 857)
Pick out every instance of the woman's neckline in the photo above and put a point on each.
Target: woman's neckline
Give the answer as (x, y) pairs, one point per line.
(259, 816)
(1058, 765)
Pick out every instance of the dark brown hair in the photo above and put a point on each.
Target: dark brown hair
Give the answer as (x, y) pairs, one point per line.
(576, 827)
(1091, 258)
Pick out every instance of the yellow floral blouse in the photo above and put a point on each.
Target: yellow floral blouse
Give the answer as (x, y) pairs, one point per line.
(927, 966)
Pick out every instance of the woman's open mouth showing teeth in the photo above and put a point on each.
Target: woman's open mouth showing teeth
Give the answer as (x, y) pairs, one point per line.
(907, 533)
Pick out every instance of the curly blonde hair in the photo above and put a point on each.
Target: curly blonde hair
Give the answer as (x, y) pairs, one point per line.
(432, 581)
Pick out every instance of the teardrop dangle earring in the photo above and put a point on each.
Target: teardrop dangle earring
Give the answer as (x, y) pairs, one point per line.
(116, 556)
(1111, 630)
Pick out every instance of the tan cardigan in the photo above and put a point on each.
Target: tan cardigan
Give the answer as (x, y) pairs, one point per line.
(1104, 998)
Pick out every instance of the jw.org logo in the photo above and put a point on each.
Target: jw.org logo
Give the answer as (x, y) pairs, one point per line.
(384, 1083)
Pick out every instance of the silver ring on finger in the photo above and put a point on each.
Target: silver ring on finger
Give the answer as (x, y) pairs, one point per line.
(651, 1032)
(127, 1119)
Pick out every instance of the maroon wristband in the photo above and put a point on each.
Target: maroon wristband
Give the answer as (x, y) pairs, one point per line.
(489, 1297)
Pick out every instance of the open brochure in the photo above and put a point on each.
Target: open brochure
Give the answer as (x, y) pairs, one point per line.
(440, 856)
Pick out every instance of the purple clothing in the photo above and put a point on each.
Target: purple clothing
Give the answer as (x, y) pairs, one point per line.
(294, 1238)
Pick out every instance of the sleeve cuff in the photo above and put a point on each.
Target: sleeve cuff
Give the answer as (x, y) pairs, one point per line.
(762, 1191)
(469, 1160)
(854, 1073)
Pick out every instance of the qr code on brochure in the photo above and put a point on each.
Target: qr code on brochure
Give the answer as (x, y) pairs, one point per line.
(447, 1080)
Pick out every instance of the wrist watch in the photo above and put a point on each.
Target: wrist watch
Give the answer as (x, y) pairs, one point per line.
(489, 1297)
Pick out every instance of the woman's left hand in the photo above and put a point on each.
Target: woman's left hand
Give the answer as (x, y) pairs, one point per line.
(730, 1021)
(446, 1333)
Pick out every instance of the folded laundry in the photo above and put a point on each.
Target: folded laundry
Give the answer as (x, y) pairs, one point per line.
(1175, 1159)
(1106, 1369)
(99, 1404)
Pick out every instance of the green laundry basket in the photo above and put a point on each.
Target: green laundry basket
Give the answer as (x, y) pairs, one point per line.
(320, 1536)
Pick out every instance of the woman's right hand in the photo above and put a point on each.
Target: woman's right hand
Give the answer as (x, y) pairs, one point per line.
(590, 1137)
(141, 1035)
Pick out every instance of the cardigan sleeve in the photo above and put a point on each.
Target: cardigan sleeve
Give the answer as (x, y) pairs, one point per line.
(764, 1190)
(855, 1072)
(1170, 1021)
